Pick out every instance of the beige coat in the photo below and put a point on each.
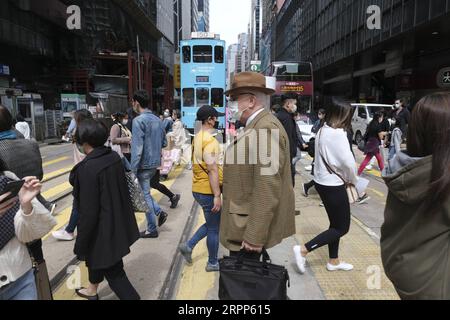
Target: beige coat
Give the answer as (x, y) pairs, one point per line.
(257, 208)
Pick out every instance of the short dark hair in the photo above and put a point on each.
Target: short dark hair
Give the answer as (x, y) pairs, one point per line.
(322, 111)
(142, 97)
(287, 97)
(6, 119)
(81, 115)
(20, 118)
(92, 132)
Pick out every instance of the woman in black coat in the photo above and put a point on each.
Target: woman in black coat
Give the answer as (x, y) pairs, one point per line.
(107, 225)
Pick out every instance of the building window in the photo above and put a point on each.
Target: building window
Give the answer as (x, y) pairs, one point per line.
(218, 54)
(202, 54)
(217, 97)
(186, 54)
(188, 97)
(202, 96)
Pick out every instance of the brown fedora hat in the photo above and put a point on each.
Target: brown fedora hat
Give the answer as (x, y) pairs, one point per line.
(249, 81)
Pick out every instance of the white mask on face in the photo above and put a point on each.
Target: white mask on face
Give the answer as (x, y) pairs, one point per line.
(235, 114)
(294, 108)
(125, 122)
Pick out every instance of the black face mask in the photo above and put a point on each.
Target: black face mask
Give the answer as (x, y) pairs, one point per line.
(216, 125)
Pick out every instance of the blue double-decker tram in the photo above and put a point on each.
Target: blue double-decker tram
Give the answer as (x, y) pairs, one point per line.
(203, 76)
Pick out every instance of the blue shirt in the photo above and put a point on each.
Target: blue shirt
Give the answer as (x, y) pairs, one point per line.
(148, 140)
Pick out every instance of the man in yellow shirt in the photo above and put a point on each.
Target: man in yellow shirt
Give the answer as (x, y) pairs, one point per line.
(206, 187)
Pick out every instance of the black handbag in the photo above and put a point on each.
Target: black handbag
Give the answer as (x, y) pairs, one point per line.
(247, 279)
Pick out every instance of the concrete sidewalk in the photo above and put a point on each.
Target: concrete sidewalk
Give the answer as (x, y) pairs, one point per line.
(360, 248)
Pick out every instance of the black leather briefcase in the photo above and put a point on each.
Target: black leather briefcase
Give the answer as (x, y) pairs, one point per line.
(246, 279)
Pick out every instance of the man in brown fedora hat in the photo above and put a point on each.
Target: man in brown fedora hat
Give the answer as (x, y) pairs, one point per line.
(258, 204)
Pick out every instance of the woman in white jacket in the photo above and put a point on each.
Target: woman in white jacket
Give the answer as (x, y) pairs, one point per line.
(335, 167)
(22, 220)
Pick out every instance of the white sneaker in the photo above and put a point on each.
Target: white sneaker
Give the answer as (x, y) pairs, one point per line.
(341, 267)
(63, 235)
(369, 167)
(299, 259)
(308, 168)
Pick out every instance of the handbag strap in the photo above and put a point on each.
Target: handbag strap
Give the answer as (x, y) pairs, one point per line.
(266, 260)
(329, 168)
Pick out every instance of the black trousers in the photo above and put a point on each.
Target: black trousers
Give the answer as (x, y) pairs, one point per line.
(117, 280)
(156, 184)
(335, 200)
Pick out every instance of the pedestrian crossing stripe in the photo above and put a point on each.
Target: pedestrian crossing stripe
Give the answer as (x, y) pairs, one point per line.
(56, 173)
(49, 163)
(58, 190)
(64, 292)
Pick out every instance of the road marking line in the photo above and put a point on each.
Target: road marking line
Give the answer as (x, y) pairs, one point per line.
(61, 220)
(56, 173)
(58, 190)
(48, 163)
(63, 292)
(365, 228)
(378, 193)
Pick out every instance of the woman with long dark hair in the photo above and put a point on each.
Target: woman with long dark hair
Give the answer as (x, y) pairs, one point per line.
(120, 135)
(335, 167)
(373, 138)
(415, 237)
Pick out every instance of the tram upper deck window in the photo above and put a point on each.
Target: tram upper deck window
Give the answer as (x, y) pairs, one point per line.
(218, 54)
(188, 97)
(217, 97)
(202, 96)
(186, 54)
(202, 54)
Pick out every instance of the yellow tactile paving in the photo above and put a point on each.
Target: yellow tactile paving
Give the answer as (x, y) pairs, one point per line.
(195, 282)
(366, 282)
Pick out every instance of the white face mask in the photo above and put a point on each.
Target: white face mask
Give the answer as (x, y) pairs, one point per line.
(294, 108)
(125, 122)
(397, 106)
(235, 114)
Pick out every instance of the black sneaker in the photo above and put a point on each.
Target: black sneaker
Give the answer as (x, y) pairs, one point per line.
(145, 235)
(162, 218)
(176, 198)
(363, 199)
(305, 191)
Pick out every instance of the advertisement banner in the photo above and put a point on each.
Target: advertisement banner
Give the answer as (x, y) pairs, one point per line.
(300, 88)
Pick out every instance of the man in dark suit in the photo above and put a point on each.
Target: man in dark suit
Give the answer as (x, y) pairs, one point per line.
(286, 117)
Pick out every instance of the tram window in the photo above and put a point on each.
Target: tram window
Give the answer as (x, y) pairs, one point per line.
(186, 54)
(217, 97)
(218, 54)
(203, 54)
(202, 96)
(188, 97)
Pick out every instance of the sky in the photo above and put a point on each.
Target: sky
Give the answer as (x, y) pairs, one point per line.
(229, 18)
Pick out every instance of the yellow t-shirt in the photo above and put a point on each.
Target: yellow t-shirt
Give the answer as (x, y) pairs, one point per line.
(206, 148)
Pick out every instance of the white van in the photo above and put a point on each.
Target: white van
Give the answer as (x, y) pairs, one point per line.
(363, 115)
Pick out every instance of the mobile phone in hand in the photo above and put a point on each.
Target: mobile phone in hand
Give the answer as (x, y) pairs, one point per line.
(13, 187)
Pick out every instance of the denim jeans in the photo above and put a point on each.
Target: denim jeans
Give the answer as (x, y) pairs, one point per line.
(210, 229)
(144, 177)
(73, 222)
(391, 152)
(22, 289)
